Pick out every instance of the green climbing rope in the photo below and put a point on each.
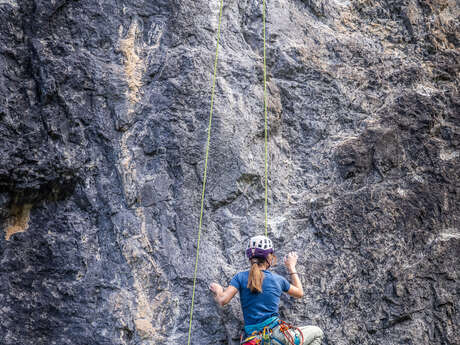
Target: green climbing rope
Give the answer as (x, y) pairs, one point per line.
(207, 155)
(266, 129)
(205, 171)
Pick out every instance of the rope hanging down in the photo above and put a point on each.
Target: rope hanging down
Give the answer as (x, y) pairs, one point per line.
(207, 155)
(205, 170)
(266, 129)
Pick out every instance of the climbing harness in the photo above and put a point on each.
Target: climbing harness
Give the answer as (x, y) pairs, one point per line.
(251, 340)
(285, 327)
(266, 337)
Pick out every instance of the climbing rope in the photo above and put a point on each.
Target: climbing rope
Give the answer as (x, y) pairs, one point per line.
(205, 171)
(266, 129)
(207, 154)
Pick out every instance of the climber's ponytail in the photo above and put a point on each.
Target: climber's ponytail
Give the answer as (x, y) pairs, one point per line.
(256, 276)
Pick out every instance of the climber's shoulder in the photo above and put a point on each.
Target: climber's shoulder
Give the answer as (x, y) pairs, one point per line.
(240, 279)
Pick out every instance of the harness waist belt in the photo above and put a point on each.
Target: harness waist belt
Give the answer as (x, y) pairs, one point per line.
(259, 327)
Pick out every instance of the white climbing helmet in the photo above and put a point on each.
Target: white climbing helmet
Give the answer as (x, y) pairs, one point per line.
(259, 247)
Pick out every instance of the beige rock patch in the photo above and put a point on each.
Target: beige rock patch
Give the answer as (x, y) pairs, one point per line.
(144, 328)
(18, 220)
(134, 66)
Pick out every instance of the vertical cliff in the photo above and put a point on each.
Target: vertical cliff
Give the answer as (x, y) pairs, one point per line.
(103, 117)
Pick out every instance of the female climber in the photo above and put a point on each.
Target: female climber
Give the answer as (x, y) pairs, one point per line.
(260, 292)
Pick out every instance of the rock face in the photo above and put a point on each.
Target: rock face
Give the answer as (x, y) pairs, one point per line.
(103, 117)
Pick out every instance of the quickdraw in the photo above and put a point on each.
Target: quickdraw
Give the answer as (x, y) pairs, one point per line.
(285, 327)
(265, 337)
(258, 338)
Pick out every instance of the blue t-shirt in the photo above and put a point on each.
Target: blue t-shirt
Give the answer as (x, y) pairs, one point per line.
(257, 307)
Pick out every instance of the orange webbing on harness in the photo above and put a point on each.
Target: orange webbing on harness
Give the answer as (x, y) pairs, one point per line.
(285, 327)
(251, 340)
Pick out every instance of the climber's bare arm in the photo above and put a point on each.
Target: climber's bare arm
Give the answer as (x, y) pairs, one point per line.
(295, 292)
(222, 296)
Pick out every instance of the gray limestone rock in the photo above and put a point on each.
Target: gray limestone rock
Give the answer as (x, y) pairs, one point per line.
(103, 120)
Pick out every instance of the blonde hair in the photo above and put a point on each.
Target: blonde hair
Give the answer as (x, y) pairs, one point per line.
(256, 276)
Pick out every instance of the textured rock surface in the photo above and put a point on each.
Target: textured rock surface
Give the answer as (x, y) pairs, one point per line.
(103, 116)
